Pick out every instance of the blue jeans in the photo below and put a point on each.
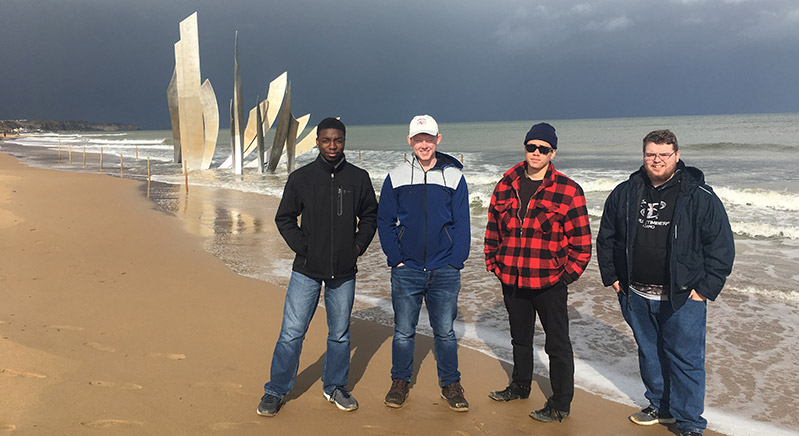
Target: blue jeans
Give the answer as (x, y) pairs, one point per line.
(302, 298)
(671, 356)
(439, 288)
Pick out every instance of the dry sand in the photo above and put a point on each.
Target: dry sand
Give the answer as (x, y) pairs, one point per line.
(114, 320)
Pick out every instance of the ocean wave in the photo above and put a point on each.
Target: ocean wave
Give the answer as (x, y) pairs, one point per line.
(774, 294)
(785, 201)
(122, 142)
(763, 230)
(722, 146)
(599, 185)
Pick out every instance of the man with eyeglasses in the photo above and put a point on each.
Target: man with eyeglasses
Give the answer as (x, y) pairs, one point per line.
(537, 242)
(665, 246)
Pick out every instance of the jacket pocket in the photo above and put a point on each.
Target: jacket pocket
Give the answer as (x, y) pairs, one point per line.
(344, 200)
(507, 215)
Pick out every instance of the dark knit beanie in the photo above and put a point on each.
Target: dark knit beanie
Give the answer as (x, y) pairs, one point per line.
(544, 132)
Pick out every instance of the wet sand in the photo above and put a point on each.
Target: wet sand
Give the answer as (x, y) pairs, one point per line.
(114, 318)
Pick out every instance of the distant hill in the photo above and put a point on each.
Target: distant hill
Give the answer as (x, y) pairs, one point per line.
(30, 126)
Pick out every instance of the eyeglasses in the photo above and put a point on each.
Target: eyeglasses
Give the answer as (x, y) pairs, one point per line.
(662, 156)
(543, 149)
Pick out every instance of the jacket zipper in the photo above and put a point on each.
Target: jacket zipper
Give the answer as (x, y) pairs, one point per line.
(332, 227)
(425, 222)
(521, 223)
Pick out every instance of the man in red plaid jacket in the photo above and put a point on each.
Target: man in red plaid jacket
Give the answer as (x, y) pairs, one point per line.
(537, 242)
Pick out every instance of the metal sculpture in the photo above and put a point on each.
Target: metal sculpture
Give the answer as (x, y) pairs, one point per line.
(172, 100)
(197, 111)
(269, 109)
(238, 109)
(281, 131)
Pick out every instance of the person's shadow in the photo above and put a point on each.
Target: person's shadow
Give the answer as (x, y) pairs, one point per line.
(366, 337)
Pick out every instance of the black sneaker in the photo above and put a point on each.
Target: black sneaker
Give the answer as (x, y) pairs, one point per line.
(453, 393)
(512, 392)
(549, 413)
(269, 405)
(397, 394)
(651, 416)
(691, 433)
(342, 399)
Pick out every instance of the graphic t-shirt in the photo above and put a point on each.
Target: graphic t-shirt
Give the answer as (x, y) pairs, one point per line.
(651, 246)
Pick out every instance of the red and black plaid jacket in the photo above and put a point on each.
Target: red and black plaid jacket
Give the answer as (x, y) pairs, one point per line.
(553, 242)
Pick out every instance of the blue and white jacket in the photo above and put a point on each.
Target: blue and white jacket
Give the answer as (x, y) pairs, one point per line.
(423, 217)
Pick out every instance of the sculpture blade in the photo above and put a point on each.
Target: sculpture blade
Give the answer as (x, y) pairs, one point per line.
(210, 122)
(238, 110)
(187, 68)
(291, 140)
(174, 116)
(282, 130)
(259, 138)
(309, 141)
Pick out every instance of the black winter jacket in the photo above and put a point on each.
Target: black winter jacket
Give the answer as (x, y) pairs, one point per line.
(701, 246)
(339, 217)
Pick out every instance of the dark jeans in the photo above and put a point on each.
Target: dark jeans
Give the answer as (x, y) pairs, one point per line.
(550, 305)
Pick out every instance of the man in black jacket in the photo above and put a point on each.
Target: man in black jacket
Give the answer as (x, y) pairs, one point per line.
(338, 210)
(665, 246)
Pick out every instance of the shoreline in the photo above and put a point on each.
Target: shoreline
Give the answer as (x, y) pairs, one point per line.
(150, 338)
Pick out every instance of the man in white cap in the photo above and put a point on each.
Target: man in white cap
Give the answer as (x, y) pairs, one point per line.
(423, 223)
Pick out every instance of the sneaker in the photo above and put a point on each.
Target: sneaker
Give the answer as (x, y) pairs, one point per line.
(691, 433)
(512, 392)
(650, 416)
(549, 413)
(453, 393)
(397, 394)
(269, 405)
(342, 399)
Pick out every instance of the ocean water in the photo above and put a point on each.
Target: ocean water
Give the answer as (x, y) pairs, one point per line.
(752, 357)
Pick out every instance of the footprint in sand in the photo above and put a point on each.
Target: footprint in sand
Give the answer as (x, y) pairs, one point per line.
(216, 385)
(234, 425)
(227, 388)
(100, 347)
(170, 356)
(21, 373)
(71, 328)
(105, 423)
(110, 384)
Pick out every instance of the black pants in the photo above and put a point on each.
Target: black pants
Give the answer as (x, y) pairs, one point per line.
(550, 304)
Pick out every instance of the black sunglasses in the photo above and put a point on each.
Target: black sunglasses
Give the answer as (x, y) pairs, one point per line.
(543, 149)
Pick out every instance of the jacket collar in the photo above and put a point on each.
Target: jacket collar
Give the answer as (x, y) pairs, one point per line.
(690, 177)
(331, 168)
(517, 172)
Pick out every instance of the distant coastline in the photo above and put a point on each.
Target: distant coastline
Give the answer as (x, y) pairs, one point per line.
(34, 126)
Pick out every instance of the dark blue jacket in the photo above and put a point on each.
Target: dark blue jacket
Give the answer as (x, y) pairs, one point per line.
(423, 217)
(701, 246)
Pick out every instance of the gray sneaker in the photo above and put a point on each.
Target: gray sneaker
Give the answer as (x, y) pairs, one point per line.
(651, 416)
(342, 399)
(269, 405)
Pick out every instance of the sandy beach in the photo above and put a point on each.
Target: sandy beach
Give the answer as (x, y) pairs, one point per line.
(115, 320)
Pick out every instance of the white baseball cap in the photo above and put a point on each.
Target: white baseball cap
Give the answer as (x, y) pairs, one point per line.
(423, 124)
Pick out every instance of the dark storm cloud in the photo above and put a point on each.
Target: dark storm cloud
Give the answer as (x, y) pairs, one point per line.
(383, 61)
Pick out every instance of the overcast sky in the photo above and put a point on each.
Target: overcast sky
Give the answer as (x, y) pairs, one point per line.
(381, 62)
